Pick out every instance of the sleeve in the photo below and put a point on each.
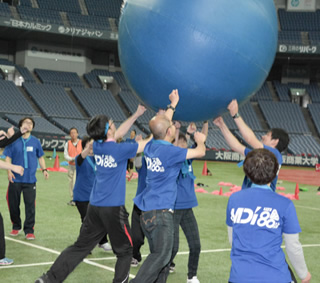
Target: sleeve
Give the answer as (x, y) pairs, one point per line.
(246, 151)
(8, 151)
(229, 221)
(290, 220)
(5, 142)
(66, 153)
(177, 154)
(295, 254)
(40, 152)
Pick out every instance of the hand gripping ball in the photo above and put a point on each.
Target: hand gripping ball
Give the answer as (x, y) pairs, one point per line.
(212, 51)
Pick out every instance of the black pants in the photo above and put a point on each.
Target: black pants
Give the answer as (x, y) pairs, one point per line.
(29, 197)
(2, 240)
(137, 233)
(98, 222)
(82, 207)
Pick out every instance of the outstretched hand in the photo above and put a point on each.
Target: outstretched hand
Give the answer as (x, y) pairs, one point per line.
(233, 107)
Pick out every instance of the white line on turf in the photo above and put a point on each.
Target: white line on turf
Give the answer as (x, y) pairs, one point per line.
(26, 265)
(307, 207)
(56, 252)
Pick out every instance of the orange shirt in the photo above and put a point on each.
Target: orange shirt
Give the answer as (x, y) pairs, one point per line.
(73, 151)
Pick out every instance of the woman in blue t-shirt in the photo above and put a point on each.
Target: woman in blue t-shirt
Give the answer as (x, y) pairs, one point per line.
(258, 220)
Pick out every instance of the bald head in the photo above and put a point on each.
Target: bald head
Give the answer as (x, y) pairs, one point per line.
(158, 126)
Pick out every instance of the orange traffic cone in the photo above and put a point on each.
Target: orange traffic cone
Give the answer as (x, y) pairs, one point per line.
(56, 163)
(205, 169)
(220, 192)
(296, 193)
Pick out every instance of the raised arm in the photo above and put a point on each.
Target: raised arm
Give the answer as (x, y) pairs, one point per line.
(205, 128)
(142, 144)
(247, 134)
(200, 150)
(231, 140)
(178, 126)
(126, 125)
(174, 99)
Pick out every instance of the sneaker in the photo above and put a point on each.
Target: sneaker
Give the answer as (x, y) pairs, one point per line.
(30, 237)
(6, 261)
(172, 267)
(106, 247)
(14, 233)
(43, 279)
(194, 279)
(134, 262)
(71, 203)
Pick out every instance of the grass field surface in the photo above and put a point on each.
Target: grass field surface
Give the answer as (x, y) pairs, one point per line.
(57, 226)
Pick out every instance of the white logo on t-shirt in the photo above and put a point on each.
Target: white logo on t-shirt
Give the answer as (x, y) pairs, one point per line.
(105, 161)
(267, 217)
(154, 164)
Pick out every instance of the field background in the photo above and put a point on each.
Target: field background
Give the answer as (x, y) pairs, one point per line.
(57, 226)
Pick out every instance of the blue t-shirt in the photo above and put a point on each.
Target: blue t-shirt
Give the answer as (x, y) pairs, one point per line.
(163, 162)
(109, 187)
(27, 158)
(85, 175)
(247, 183)
(186, 195)
(259, 217)
(142, 171)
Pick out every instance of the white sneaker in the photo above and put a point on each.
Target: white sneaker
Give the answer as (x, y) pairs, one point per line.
(106, 247)
(194, 279)
(134, 262)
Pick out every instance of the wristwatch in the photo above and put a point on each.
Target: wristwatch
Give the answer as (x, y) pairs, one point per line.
(237, 115)
(169, 106)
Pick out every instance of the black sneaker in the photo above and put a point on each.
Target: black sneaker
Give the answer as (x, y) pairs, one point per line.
(43, 279)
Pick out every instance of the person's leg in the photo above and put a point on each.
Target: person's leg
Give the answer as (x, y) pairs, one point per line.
(189, 226)
(118, 229)
(176, 226)
(2, 239)
(29, 197)
(91, 232)
(157, 226)
(82, 207)
(13, 198)
(71, 173)
(137, 233)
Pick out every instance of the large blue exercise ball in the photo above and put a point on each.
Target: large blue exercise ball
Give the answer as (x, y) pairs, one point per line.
(212, 51)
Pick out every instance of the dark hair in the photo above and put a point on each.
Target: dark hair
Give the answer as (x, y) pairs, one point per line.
(182, 137)
(96, 127)
(283, 137)
(84, 141)
(261, 166)
(25, 118)
(73, 128)
(135, 132)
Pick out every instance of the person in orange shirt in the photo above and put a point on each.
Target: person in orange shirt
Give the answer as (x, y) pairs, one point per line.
(72, 148)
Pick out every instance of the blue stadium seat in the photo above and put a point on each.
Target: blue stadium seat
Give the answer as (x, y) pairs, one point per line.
(60, 5)
(284, 115)
(262, 94)
(52, 100)
(105, 8)
(5, 10)
(299, 21)
(41, 124)
(84, 21)
(12, 100)
(98, 101)
(66, 79)
(314, 110)
(39, 15)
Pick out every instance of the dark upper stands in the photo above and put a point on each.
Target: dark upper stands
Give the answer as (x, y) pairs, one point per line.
(5, 10)
(4, 124)
(262, 94)
(25, 3)
(314, 110)
(66, 124)
(39, 15)
(84, 21)
(299, 21)
(105, 8)
(60, 5)
(290, 37)
(26, 74)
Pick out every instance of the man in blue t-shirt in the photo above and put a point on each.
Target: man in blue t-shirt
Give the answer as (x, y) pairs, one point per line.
(157, 200)
(25, 151)
(258, 220)
(106, 212)
(276, 140)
